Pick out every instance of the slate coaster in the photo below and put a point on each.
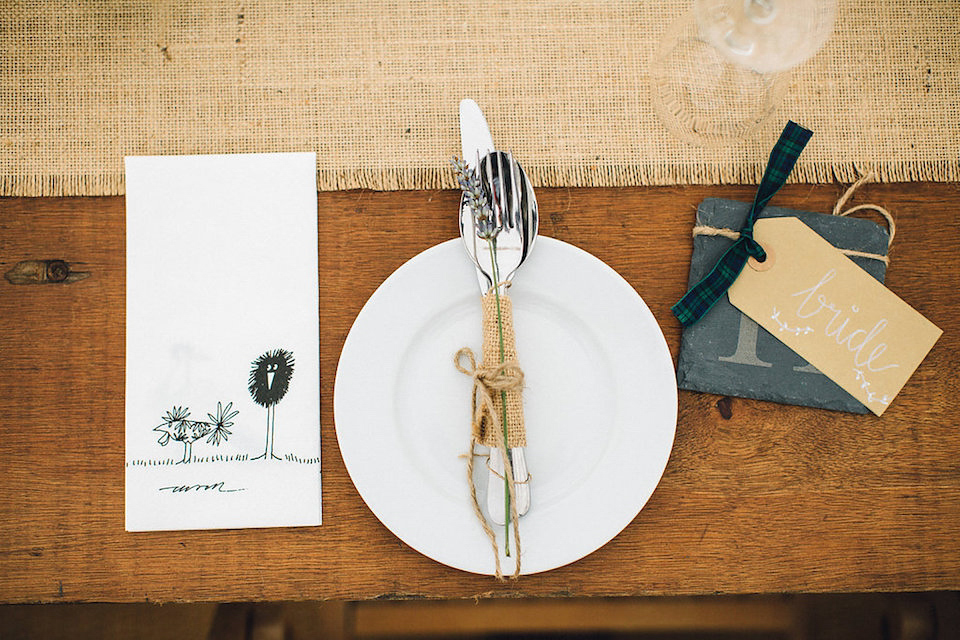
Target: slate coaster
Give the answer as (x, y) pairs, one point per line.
(727, 353)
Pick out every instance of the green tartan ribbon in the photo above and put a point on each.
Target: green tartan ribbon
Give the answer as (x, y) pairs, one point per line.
(703, 295)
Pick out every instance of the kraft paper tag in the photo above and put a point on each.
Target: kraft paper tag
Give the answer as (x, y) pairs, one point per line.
(833, 314)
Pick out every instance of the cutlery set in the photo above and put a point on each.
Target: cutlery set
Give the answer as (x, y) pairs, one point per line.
(388, 373)
(498, 241)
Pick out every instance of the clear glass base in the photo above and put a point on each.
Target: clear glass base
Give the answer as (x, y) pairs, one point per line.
(704, 99)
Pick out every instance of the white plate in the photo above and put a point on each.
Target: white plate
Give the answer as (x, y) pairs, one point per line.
(600, 405)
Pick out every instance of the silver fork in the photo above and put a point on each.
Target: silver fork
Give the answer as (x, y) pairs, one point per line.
(518, 220)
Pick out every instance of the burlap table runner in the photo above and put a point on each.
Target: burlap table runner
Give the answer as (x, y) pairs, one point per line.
(373, 88)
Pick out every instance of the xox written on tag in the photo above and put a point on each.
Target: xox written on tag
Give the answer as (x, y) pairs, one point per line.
(832, 313)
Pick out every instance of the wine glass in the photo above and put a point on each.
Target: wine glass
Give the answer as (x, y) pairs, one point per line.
(723, 67)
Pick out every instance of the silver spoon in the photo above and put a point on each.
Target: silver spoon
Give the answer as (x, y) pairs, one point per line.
(517, 220)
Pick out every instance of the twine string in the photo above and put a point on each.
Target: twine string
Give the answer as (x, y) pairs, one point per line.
(869, 176)
(706, 230)
(487, 381)
(506, 284)
(500, 475)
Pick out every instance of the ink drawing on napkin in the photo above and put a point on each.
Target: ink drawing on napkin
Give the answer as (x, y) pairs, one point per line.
(222, 368)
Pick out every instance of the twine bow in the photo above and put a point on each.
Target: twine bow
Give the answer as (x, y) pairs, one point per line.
(486, 381)
(699, 299)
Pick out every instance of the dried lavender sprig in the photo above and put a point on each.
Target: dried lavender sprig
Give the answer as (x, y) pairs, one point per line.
(470, 184)
(486, 227)
(477, 200)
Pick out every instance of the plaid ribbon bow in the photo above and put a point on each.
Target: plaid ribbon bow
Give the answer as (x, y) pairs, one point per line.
(699, 299)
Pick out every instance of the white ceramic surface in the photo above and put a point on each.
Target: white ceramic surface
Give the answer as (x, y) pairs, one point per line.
(600, 405)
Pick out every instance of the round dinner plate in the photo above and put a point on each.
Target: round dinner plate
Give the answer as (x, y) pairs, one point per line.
(600, 405)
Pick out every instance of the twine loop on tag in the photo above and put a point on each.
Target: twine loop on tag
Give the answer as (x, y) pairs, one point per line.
(723, 232)
(869, 176)
(507, 376)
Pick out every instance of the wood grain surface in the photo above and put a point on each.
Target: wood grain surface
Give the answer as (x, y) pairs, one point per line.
(756, 498)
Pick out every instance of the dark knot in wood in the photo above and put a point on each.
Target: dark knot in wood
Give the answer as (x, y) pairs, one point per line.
(725, 407)
(57, 270)
(43, 272)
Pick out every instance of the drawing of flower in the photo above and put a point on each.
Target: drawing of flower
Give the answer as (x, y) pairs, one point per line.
(176, 426)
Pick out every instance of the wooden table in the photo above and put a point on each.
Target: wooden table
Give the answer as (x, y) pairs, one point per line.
(771, 499)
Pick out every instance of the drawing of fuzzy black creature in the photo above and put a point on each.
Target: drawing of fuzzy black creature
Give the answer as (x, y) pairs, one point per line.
(269, 380)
